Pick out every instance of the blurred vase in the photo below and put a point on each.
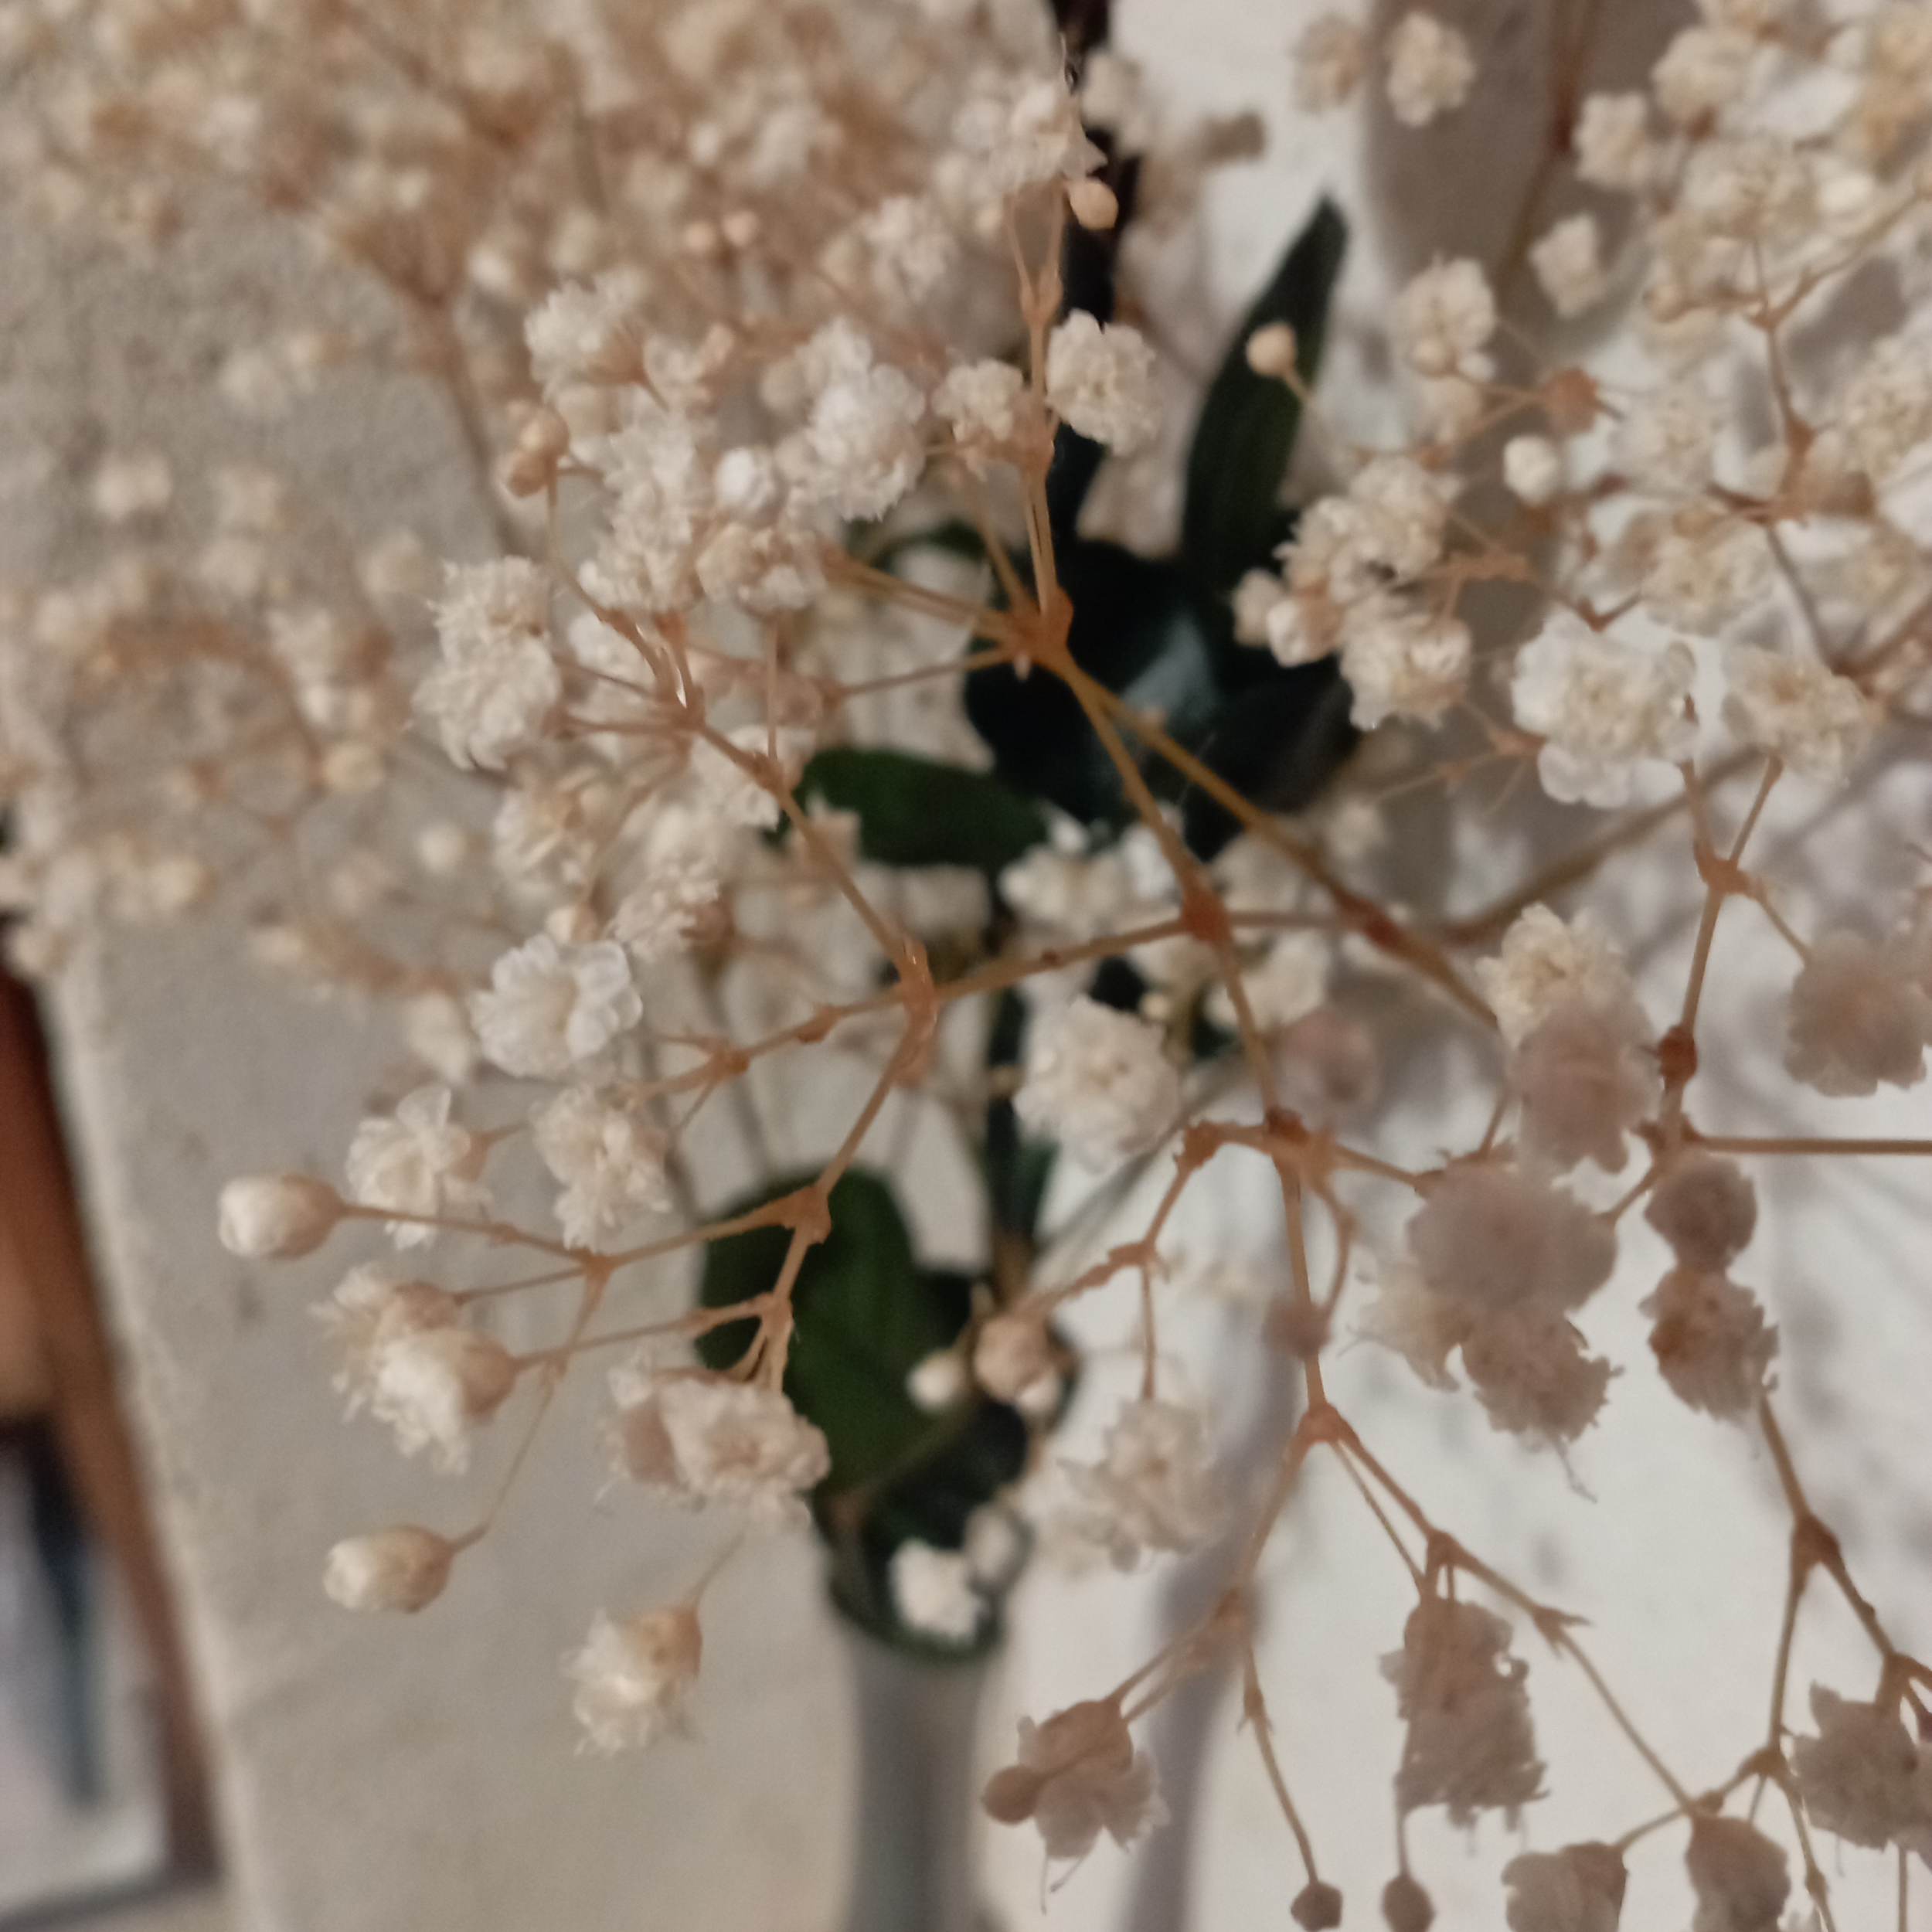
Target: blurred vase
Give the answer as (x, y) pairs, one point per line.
(911, 1868)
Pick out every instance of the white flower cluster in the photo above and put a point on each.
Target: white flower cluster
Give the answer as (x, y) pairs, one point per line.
(1602, 708)
(769, 422)
(696, 1440)
(488, 697)
(1100, 377)
(1099, 1082)
(1349, 569)
(410, 1358)
(417, 1165)
(634, 1679)
(608, 1161)
(947, 1596)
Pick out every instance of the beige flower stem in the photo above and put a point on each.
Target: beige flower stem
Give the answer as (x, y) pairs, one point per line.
(1254, 1710)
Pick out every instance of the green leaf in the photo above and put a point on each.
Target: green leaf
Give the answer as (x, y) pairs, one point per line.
(915, 812)
(1137, 628)
(1017, 1168)
(1278, 743)
(865, 1313)
(1240, 456)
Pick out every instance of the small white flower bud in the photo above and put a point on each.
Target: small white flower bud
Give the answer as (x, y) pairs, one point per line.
(1093, 204)
(277, 1217)
(1532, 467)
(1271, 350)
(938, 1381)
(1430, 69)
(1014, 1360)
(933, 1592)
(400, 1569)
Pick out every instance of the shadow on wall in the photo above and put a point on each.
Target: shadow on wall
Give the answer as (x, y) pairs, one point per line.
(1464, 185)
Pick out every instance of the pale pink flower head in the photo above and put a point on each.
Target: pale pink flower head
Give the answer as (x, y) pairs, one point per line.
(1078, 1775)
(1490, 1236)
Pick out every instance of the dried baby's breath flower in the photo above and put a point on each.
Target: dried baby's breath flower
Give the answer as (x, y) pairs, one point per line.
(696, 1440)
(1078, 1774)
(1099, 1080)
(1491, 1236)
(1569, 264)
(1100, 378)
(1444, 319)
(1705, 1206)
(549, 1007)
(497, 679)
(634, 1678)
(277, 1217)
(402, 1569)
(933, 1592)
(1430, 68)
(1533, 466)
(1614, 144)
(1712, 1344)
(436, 1385)
(1584, 1077)
(1155, 1487)
(1857, 1016)
(1798, 710)
(1545, 962)
(1602, 708)
(419, 1164)
(609, 1162)
(1331, 61)
(812, 760)
(1015, 1359)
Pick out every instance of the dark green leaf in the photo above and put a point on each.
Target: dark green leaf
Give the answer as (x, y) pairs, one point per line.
(1017, 1168)
(1076, 461)
(1278, 744)
(1240, 456)
(1137, 628)
(915, 812)
(865, 1314)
